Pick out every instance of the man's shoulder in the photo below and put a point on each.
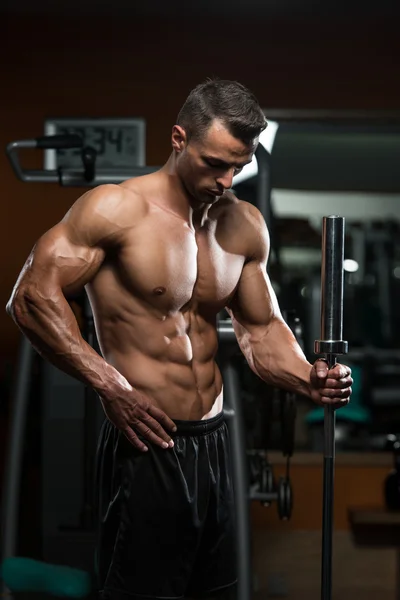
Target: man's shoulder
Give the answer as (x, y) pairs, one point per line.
(103, 214)
(114, 201)
(241, 210)
(247, 226)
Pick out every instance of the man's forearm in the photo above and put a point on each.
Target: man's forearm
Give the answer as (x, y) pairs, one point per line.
(51, 327)
(274, 355)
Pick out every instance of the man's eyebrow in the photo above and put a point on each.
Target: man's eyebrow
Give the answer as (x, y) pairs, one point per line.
(222, 163)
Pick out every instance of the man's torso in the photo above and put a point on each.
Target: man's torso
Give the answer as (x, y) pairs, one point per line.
(157, 296)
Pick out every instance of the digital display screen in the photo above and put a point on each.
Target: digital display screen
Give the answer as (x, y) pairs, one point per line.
(117, 142)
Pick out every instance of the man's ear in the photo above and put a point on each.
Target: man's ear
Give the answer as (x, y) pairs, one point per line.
(179, 138)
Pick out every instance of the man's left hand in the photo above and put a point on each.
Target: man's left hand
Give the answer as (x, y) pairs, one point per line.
(330, 386)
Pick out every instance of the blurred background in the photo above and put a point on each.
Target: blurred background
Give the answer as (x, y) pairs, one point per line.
(327, 75)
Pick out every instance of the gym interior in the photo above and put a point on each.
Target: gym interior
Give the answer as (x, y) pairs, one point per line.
(102, 76)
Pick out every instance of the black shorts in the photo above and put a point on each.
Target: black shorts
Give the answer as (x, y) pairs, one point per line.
(166, 517)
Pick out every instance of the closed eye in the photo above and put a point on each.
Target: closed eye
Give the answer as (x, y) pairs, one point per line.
(215, 165)
(221, 165)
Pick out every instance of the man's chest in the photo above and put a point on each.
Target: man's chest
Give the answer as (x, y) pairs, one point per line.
(171, 266)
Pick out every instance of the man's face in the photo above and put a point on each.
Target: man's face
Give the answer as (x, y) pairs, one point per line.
(207, 166)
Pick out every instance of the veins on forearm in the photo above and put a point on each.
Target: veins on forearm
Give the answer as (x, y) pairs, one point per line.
(275, 356)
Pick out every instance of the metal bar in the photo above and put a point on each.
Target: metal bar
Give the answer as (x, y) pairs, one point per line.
(328, 500)
(38, 175)
(14, 458)
(14, 146)
(225, 330)
(75, 178)
(263, 198)
(240, 482)
(12, 153)
(352, 116)
(58, 142)
(330, 344)
(233, 413)
(332, 278)
(263, 496)
(65, 176)
(34, 176)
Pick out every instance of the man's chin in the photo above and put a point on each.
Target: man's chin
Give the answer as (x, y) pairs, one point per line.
(208, 198)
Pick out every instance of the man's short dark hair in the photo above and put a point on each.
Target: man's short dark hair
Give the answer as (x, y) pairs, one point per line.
(229, 101)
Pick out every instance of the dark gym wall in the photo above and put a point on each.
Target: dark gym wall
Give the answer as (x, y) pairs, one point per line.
(128, 67)
(112, 67)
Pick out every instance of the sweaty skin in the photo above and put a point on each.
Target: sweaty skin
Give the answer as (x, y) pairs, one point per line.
(158, 269)
(155, 283)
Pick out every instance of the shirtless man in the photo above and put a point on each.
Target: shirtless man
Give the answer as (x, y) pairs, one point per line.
(160, 256)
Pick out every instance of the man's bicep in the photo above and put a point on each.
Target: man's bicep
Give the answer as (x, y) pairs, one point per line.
(254, 302)
(58, 260)
(70, 253)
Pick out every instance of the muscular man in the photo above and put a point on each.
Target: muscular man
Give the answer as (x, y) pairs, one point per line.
(160, 256)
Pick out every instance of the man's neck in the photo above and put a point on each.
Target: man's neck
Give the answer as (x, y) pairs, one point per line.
(179, 200)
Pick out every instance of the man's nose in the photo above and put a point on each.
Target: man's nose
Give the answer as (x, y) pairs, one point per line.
(225, 179)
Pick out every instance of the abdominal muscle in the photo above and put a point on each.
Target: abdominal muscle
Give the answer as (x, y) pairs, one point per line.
(171, 360)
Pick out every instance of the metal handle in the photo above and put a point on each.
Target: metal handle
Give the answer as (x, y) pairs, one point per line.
(38, 175)
(68, 177)
(59, 142)
(11, 492)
